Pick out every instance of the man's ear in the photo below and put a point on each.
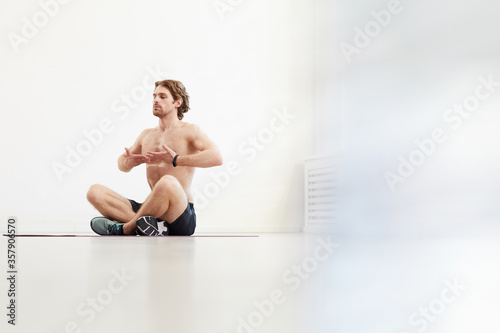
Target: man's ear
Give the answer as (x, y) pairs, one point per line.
(178, 103)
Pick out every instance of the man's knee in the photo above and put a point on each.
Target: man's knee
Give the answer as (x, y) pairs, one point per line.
(166, 184)
(94, 193)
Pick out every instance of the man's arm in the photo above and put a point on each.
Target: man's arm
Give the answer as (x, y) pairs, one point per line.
(208, 154)
(132, 156)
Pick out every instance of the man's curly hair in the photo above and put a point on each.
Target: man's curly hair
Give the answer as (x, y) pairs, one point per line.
(178, 91)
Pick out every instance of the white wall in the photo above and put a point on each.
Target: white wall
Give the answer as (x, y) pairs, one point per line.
(261, 57)
(75, 72)
(396, 90)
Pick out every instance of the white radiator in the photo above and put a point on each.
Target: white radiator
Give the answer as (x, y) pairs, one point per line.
(321, 202)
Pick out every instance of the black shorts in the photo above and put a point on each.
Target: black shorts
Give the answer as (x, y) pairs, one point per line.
(184, 225)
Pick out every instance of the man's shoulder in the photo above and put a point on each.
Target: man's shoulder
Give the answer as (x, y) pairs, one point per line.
(189, 127)
(144, 134)
(147, 131)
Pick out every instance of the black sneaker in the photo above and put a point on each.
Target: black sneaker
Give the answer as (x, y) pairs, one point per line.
(150, 226)
(106, 227)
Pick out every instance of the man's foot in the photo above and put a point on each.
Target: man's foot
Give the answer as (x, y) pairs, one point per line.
(104, 226)
(150, 226)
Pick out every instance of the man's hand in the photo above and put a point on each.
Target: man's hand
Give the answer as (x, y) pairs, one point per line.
(133, 160)
(162, 156)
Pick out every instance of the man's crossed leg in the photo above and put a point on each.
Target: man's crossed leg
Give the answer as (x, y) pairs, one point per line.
(167, 202)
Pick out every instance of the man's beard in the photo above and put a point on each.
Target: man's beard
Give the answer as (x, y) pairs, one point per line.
(158, 112)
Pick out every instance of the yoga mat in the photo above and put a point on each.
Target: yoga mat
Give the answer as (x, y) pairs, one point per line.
(68, 235)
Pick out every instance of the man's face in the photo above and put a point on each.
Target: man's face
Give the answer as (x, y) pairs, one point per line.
(163, 102)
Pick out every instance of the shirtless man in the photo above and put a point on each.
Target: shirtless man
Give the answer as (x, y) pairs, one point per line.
(171, 152)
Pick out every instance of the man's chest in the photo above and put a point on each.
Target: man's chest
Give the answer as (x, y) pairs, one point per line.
(176, 141)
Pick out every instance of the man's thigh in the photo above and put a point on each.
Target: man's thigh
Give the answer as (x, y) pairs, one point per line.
(110, 203)
(117, 198)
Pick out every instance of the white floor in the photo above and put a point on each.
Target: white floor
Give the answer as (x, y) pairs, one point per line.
(270, 283)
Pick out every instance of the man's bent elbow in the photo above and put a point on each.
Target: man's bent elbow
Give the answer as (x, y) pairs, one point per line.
(122, 167)
(219, 160)
(123, 170)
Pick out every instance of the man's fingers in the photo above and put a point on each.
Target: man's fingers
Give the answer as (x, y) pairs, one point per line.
(169, 150)
(152, 155)
(155, 153)
(137, 158)
(160, 156)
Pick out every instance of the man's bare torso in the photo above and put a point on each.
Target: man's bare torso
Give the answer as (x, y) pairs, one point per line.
(178, 139)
